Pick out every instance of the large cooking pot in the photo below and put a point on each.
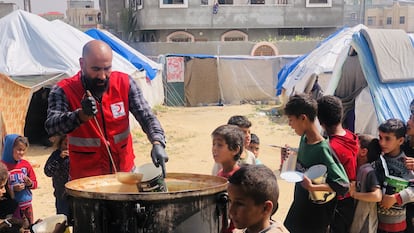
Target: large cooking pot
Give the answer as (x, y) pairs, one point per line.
(193, 203)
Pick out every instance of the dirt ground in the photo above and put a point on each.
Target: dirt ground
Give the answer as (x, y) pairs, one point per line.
(189, 146)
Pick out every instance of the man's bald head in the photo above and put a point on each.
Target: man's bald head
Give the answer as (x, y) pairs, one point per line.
(96, 48)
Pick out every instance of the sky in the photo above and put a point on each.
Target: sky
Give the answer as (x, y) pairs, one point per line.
(44, 6)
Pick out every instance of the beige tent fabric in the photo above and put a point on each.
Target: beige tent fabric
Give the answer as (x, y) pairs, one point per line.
(14, 102)
(201, 83)
(393, 54)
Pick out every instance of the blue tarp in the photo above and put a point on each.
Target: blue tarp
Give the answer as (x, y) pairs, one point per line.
(391, 100)
(124, 52)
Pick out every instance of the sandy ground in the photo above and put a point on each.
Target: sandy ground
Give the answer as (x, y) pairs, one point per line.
(189, 146)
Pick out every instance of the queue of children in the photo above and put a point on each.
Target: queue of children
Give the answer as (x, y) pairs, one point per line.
(378, 172)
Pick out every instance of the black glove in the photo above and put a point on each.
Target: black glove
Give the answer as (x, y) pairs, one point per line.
(89, 106)
(159, 157)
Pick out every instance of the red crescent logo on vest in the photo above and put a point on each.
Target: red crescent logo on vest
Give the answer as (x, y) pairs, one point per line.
(118, 109)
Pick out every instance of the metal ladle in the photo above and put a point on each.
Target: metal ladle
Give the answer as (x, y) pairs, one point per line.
(122, 177)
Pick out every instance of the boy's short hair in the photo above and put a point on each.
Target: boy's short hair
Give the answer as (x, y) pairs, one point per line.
(257, 182)
(254, 139)
(330, 110)
(374, 150)
(364, 140)
(395, 126)
(240, 121)
(233, 136)
(299, 104)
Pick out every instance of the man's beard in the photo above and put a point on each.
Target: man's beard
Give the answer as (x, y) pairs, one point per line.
(95, 85)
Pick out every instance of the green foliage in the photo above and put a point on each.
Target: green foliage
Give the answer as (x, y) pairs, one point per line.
(294, 38)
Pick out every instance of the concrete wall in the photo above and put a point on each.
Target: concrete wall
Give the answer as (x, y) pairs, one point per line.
(7, 8)
(153, 49)
(292, 15)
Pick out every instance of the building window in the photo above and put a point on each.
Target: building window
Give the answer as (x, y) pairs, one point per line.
(173, 3)
(223, 2)
(371, 20)
(257, 1)
(389, 20)
(180, 36)
(89, 18)
(353, 16)
(282, 2)
(402, 19)
(234, 35)
(318, 3)
(204, 2)
(264, 49)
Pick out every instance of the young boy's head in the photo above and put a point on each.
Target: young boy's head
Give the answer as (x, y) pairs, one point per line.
(254, 145)
(244, 124)
(364, 140)
(253, 194)
(4, 176)
(15, 147)
(330, 111)
(391, 136)
(301, 109)
(227, 143)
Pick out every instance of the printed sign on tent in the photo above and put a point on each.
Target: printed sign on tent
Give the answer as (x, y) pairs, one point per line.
(175, 69)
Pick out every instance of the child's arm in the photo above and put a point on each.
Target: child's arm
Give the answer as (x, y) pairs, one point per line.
(403, 197)
(374, 196)
(32, 182)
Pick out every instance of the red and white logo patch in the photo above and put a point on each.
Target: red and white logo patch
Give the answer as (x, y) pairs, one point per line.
(118, 109)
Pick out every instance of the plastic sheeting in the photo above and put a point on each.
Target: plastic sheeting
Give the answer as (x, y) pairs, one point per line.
(32, 45)
(390, 100)
(378, 101)
(137, 59)
(321, 60)
(392, 52)
(216, 80)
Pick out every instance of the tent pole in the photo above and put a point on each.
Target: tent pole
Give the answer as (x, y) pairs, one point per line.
(221, 100)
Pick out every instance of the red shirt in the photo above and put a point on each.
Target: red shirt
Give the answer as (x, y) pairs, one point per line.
(346, 148)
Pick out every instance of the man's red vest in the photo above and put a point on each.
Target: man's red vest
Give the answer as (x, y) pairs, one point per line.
(87, 151)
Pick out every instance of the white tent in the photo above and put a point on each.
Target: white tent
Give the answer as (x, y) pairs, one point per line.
(384, 85)
(32, 45)
(319, 61)
(36, 53)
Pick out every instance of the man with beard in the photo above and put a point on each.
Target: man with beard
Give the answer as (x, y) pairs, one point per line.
(92, 109)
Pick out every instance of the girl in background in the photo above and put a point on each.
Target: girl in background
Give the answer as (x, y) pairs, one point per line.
(57, 167)
(22, 178)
